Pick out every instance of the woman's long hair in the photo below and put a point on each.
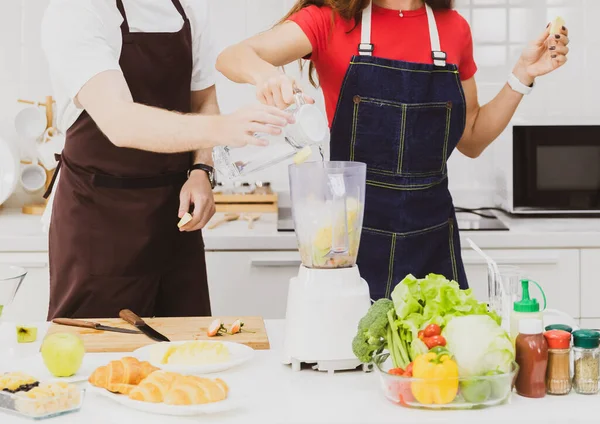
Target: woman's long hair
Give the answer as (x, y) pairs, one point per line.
(349, 10)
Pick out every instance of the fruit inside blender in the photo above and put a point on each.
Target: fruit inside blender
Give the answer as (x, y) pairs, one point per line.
(314, 230)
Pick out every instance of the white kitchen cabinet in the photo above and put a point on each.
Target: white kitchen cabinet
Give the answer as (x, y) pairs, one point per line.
(31, 302)
(557, 271)
(590, 283)
(250, 283)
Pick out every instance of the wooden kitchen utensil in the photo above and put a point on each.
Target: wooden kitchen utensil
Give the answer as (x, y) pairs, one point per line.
(227, 218)
(251, 218)
(176, 329)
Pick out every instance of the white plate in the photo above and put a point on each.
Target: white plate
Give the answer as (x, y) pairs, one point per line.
(238, 354)
(36, 368)
(9, 171)
(228, 404)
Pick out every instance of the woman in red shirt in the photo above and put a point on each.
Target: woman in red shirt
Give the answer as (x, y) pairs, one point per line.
(397, 77)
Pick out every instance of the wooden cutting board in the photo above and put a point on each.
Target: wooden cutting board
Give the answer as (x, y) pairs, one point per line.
(176, 329)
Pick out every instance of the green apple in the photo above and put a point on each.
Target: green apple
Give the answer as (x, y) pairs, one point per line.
(476, 390)
(1, 308)
(62, 354)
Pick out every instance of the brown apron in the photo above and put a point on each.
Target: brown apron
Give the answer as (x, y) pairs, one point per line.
(114, 241)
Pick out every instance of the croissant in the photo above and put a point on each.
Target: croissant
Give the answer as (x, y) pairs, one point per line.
(176, 389)
(196, 391)
(154, 387)
(121, 376)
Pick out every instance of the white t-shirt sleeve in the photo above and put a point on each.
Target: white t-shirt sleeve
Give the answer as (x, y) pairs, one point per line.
(80, 41)
(204, 52)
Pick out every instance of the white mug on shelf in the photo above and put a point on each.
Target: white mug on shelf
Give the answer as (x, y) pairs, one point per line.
(33, 178)
(52, 144)
(30, 122)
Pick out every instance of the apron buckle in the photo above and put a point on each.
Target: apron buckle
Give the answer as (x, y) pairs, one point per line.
(439, 58)
(365, 49)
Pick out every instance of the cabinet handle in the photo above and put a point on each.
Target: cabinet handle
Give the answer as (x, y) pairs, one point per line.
(514, 261)
(275, 263)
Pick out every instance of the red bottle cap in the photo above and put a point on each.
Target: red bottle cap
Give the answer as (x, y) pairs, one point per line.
(558, 339)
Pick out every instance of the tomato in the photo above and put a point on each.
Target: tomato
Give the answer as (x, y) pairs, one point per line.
(408, 371)
(421, 334)
(434, 341)
(396, 371)
(432, 330)
(401, 392)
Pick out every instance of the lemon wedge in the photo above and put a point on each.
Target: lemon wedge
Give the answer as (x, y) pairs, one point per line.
(557, 25)
(184, 220)
(302, 155)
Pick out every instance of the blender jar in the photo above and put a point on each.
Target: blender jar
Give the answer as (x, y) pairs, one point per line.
(327, 207)
(310, 129)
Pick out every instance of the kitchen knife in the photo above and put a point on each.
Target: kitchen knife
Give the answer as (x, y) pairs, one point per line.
(93, 325)
(139, 323)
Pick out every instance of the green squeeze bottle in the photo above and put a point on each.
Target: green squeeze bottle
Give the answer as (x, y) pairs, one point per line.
(526, 308)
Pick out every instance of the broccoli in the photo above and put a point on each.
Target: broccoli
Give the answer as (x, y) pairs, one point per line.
(372, 331)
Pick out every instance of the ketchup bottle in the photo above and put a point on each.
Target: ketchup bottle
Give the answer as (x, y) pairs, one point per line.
(532, 357)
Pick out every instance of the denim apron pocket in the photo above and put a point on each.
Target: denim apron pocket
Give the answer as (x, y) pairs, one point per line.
(392, 256)
(403, 139)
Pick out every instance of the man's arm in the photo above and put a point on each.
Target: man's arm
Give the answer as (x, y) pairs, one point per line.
(107, 99)
(205, 102)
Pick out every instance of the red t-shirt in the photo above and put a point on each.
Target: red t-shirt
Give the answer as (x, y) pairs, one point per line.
(406, 38)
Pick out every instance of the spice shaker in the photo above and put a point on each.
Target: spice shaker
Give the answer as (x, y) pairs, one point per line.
(532, 358)
(587, 361)
(558, 373)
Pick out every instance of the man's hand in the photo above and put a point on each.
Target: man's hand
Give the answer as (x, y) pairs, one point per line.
(197, 191)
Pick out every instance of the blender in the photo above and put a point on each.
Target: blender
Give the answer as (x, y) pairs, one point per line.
(328, 297)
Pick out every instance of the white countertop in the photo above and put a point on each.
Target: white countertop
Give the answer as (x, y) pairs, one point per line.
(23, 233)
(279, 395)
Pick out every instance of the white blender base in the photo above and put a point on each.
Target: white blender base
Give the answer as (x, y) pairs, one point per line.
(323, 310)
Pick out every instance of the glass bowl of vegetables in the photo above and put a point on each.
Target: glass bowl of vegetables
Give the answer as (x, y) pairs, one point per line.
(432, 381)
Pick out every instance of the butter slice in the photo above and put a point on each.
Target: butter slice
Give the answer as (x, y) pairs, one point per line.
(557, 25)
(302, 155)
(185, 219)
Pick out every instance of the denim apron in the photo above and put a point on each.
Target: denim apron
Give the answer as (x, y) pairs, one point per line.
(403, 120)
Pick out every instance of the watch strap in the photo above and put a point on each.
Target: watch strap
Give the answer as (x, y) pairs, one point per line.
(518, 86)
(210, 171)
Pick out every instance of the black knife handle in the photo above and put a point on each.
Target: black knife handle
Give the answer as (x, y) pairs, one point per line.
(131, 318)
(74, 323)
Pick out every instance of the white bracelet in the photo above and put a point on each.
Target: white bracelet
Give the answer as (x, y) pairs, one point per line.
(518, 86)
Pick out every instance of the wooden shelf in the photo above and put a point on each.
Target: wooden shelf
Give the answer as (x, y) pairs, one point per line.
(246, 202)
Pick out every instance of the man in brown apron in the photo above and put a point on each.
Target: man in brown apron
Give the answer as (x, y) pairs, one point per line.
(114, 240)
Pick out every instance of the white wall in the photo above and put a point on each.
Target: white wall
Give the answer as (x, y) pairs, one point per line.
(500, 29)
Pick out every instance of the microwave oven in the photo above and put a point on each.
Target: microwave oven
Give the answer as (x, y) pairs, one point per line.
(553, 170)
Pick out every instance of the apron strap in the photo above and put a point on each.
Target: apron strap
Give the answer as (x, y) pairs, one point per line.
(438, 56)
(365, 48)
(54, 176)
(179, 8)
(125, 24)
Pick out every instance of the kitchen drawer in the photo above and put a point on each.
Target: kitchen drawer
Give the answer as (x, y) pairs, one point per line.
(251, 283)
(31, 302)
(556, 270)
(590, 283)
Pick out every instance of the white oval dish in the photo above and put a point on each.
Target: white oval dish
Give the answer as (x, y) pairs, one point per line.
(238, 355)
(228, 404)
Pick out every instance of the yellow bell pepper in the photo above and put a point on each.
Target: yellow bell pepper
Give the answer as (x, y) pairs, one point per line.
(437, 376)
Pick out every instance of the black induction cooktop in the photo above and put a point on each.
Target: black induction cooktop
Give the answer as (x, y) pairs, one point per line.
(467, 221)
